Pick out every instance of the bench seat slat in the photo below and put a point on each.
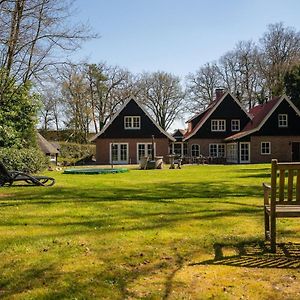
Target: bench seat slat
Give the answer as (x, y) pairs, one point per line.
(285, 210)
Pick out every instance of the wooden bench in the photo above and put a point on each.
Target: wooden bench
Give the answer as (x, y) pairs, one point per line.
(282, 197)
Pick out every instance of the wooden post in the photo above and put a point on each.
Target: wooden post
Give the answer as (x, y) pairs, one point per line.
(273, 204)
(152, 156)
(111, 153)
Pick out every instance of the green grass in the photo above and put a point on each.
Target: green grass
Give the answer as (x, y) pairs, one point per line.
(194, 233)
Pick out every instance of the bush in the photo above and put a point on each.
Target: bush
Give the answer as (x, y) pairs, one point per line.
(71, 152)
(28, 160)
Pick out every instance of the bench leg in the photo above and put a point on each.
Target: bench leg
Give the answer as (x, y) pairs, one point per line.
(273, 234)
(267, 226)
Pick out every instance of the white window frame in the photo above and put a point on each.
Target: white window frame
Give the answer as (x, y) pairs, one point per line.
(218, 125)
(198, 150)
(249, 152)
(232, 152)
(282, 120)
(130, 122)
(119, 161)
(264, 147)
(235, 125)
(146, 150)
(218, 146)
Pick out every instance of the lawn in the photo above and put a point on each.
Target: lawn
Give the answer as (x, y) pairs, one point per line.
(194, 233)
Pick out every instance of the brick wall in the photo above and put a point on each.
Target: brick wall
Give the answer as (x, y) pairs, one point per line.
(204, 145)
(103, 148)
(281, 148)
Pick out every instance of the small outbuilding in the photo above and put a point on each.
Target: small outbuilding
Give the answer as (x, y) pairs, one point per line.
(47, 148)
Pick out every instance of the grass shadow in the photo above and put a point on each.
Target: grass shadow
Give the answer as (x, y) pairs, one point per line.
(255, 254)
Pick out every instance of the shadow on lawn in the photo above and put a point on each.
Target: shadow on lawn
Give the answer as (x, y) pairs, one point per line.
(256, 255)
(152, 192)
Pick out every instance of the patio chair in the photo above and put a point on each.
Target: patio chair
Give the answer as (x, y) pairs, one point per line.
(9, 177)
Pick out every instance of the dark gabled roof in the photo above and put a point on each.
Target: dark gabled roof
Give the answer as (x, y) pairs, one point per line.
(260, 114)
(204, 115)
(179, 133)
(146, 113)
(46, 146)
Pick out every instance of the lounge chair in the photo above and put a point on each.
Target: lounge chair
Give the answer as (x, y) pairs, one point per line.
(9, 177)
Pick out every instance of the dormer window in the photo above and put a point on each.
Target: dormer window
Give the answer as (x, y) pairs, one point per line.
(218, 125)
(132, 122)
(235, 125)
(282, 120)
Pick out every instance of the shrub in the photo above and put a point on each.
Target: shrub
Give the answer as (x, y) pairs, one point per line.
(28, 160)
(71, 152)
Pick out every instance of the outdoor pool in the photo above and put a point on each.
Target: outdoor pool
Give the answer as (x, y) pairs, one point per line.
(93, 171)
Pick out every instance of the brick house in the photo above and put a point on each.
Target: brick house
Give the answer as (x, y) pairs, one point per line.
(273, 132)
(130, 135)
(226, 130)
(207, 130)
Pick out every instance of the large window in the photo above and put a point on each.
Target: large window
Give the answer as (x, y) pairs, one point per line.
(235, 125)
(195, 150)
(144, 149)
(218, 125)
(132, 122)
(245, 152)
(232, 152)
(217, 150)
(282, 120)
(265, 148)
(119, 153)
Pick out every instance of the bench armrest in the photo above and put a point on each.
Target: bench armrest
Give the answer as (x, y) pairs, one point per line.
(267, 190)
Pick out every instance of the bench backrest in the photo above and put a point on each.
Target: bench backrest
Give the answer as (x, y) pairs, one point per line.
(285, 182)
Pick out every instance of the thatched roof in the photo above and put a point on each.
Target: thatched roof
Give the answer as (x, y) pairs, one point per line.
(46, 146)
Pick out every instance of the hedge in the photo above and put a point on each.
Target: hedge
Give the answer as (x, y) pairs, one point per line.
(72, 152)
(28, 160)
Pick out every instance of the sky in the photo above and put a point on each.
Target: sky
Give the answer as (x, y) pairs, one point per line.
(176, 36)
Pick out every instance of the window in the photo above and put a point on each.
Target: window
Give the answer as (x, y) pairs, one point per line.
(144, 150)
(195, 150)
(218, 125)
(235, 125)
(245, 152)
(217, 150)
(282, 120)
(265, 148)
(232, 152)
(119, 153)
(132, 122)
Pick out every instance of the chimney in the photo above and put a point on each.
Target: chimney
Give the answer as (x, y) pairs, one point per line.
(219, 93)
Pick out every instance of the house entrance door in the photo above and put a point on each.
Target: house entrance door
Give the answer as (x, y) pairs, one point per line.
(295, 151)
(244, 153)
(119, 153)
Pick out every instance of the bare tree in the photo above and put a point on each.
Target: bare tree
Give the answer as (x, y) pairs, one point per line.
(76, 102)
(279, 51)
(109, 86)
(50, 111)
(201, 86)
(162, 94)
(35, 35)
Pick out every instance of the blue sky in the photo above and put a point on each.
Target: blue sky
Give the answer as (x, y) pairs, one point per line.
(176, 36)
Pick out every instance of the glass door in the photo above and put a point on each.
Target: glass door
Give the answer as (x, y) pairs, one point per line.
(119, 153)
(244, 153)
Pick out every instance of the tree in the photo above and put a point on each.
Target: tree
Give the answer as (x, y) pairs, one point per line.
(50, 110)
(76, 102)
(162, 94)
(279, 51)
(34, 33)
(109, 87)
(292, 85)
(201, 86)
(18, 116)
